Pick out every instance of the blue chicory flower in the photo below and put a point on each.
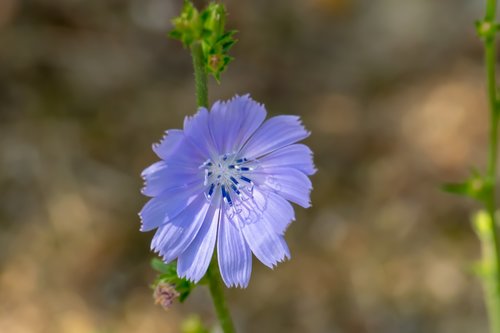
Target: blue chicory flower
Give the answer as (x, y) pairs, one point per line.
(226, 178)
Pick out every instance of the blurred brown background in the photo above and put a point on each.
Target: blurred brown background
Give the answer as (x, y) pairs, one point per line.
(393, 92)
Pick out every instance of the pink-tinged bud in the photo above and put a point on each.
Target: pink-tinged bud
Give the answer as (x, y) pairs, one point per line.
(165, 294)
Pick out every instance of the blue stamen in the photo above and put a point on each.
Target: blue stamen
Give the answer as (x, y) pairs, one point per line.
(246, 179)
(233, 180)
(211, 190)
(231, 167)
(244, 168)
(235, 189)
(226, 196)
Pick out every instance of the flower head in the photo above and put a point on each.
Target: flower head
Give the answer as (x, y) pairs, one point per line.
(226, 180)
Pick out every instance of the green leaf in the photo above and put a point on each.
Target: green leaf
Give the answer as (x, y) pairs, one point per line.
(163, 268)
(184, 287)
(476, 186)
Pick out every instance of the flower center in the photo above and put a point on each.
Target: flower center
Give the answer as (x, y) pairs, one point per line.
(230, 174)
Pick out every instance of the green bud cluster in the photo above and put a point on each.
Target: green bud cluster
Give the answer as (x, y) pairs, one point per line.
(206, 27)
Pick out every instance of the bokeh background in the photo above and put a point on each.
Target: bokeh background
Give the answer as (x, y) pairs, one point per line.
(393, 92)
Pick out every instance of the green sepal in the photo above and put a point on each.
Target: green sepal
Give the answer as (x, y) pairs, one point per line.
(168, 274)
(188, 25)
(217, 54)
(214, 19)
(161, 267)
(476, 187)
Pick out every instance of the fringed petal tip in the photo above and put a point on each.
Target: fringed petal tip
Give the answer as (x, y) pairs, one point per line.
(286, 257)
(141, 228)
(240, 285)
(199, 110)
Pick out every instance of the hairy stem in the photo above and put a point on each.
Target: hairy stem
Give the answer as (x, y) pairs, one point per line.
(200, 75)
(212, 276)
(217, 292)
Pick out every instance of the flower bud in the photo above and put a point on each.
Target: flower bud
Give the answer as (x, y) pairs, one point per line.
(165, 294)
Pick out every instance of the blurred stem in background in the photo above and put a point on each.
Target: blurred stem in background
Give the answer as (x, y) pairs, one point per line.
(489, 235)
(486, 268)
(482, 187)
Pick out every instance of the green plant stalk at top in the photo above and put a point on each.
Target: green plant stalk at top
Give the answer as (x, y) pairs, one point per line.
(492, 280)
(212, 276)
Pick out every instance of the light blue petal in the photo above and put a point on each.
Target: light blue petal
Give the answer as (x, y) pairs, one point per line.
(162, 176)
(279, 211)
(296, 156)
(233, 122)
(234, 256)
(266, 244)
(176, 150)
(153, 168)
(197, 131)
(165, 207)
(172, 239)
(217, 124)
(290, 183)
(169, 145)
(193, 263)
(277, 132)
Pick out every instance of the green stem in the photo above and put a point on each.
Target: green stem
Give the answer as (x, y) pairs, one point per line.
(490, 10)
(492, 287)
(200, 75)
(213, 278)
(215, 285)
(493, 147)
